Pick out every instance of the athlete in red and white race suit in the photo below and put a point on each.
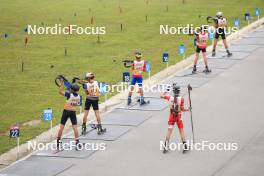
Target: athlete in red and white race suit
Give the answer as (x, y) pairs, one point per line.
(175, 118)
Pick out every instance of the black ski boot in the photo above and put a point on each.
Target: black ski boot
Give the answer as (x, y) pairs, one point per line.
(100, 129)
(185, 148)
(83, 128)
(213, 53)
(59, 144)
(228, 53)
(194, 69)
(207, 70)
(165, 148)
(77, 145)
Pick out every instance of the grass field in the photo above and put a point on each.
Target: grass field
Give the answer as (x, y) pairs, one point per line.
(24, 95)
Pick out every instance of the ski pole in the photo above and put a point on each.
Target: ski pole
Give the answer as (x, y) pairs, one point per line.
(190, 103)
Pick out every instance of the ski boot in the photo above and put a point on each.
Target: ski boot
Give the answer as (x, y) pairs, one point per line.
(185, 148)
(213, 53)
(100, 129)
(194, 69)
(165, 148)
(129, 100)
(77, 145)
(207, 70)
(228, 53)
(83, 129)
(59, 144)
(142, 101)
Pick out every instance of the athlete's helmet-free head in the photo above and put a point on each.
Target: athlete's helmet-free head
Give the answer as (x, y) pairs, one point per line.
(89, 75)
(138, 54)
(175, 89)
(219, 14)
(74, 87)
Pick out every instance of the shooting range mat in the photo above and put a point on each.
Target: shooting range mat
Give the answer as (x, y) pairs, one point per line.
(235, 56)
(71, 153)
(113, 133)
(37, 167)
(125, 117)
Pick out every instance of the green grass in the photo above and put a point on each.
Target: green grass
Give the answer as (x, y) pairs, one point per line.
(25, 94)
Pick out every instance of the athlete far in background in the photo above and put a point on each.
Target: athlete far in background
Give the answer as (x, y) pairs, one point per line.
(220, 25)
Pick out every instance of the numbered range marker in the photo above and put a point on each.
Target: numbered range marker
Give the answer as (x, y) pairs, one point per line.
(237, 22)
(165, 57)
(181, 49)
(247, 16)
(126, 77)
(148, 66)
(257, 12)
(47, 115)
(14, 131)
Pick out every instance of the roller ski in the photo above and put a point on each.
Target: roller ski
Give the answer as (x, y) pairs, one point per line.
(99, 128)
(207, 70)
(142, 101)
